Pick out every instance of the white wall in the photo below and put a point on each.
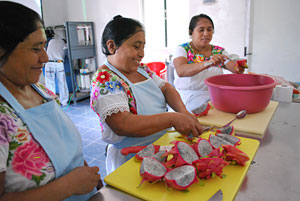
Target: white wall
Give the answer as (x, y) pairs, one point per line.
(53, 12)
(276, 38)
(33, 4)
(98, 11)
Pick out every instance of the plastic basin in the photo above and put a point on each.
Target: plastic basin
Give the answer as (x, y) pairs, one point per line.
(159, 68)
(235, 92)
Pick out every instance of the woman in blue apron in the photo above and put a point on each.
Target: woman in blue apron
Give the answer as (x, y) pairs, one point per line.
(40, 148)
(129, 98)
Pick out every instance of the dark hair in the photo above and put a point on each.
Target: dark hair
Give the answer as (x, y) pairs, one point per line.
(16, 23)
(119, 30)
(195, 20)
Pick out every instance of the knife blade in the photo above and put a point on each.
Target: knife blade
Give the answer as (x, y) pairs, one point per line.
(218, 196)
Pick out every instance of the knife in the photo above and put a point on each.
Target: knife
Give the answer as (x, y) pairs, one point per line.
(218, 196)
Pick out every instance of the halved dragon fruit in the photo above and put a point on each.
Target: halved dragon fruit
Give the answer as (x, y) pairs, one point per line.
(229, 138)
(202, 110)
(217, 141)
(150, 150)
(229, 130)
(234, 155)
(202, 147)
(207, 167)
(182, 177)
(182, 154)
(223, 139)
(160, 156)
(152, 170)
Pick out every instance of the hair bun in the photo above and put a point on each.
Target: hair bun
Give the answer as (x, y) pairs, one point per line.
(117, 17)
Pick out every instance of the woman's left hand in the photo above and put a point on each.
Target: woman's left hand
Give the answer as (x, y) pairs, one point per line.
(233, 67)
(238, 69)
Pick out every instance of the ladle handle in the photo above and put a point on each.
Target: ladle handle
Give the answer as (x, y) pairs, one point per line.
(229, 122)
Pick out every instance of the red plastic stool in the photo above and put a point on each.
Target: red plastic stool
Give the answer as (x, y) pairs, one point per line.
(159, 68)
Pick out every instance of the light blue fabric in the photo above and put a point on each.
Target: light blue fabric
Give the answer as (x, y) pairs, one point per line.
(149, 100)
(56, 133)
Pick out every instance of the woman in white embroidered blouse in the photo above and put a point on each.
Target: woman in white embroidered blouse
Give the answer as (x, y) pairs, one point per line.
(129, 98)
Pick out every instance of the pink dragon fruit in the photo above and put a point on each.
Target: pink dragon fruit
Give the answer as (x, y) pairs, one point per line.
(229, 138)
(150, 150)
(229, 130)
(182, 154)
(152, 170)
(223, 139)
(182, 177)
(234, 155)
(160, 156)
(202, 147)
(208, 167)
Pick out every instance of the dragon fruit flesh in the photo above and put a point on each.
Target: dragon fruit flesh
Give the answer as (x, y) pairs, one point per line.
(160, 156)
(217, 141)
(229, 138)
(150, 150)
(202, 110)
(182, 177)
(207, 167)
(226, 130)
(182, 154)
(203, 147)
(233, 154)
(152, 170)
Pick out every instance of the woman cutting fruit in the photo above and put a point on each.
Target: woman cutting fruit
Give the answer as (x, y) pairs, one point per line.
(197, 60)
(129, 98)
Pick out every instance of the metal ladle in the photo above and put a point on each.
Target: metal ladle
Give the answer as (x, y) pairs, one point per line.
(240, 115)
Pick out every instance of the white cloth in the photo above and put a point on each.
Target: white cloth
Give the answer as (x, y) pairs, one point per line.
(56, 70)
(56, 49)
(193, 90)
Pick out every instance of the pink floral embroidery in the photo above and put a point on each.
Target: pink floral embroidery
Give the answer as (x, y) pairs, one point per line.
(29, 159)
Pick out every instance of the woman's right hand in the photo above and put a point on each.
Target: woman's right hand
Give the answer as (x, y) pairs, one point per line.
(82, 180)
(218, 59)
(186, 125)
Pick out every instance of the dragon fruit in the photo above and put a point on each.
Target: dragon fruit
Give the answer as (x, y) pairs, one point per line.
(152, 170)
(208, 167)
(223, 139)
(182, 177)
(150, 150)
(182, 154)
(229, 130)
(202, 147)
(234, 155)
(229, 138)
(202, 110)
(160, 156)
(216, 141)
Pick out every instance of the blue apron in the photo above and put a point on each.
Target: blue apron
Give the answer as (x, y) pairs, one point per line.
(55, 132)
(149, 100)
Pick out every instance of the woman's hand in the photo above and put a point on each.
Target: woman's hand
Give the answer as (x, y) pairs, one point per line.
(186, 124)
(233, 67)
(218, 59)
(82, 180)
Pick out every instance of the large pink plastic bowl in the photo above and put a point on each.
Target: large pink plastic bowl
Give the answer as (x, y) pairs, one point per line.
(235, 92)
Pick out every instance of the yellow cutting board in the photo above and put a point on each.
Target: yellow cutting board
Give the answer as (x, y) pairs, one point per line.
(127, 178)
(253, 125)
